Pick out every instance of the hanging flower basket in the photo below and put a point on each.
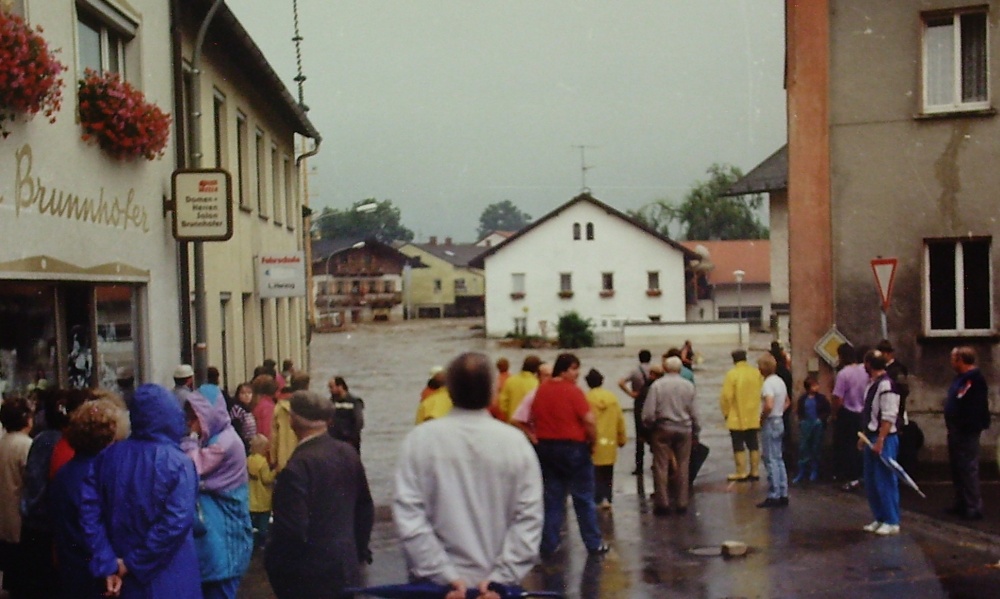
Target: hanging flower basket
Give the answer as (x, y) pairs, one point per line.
(117, 117)
(30, 79)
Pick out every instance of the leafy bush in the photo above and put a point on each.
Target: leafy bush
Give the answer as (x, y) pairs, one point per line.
(575, 331)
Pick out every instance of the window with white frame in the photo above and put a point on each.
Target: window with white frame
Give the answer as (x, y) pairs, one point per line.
(607, 281)
(956, 69)
(958, 286)
(103, 35)
(437, 285)
(242, 133)
(517, 282)
(261, 163)
(653, 280)
(565, 281)
(278, 204)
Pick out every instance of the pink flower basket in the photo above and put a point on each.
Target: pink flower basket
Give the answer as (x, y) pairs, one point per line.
(117, 117)
(30, 79)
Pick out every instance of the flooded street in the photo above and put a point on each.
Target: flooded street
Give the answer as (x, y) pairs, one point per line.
(814, 548)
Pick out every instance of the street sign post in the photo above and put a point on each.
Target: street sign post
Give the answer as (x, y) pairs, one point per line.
(884, 270)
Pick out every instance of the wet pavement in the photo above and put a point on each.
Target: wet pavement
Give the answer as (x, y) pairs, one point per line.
(814, 548)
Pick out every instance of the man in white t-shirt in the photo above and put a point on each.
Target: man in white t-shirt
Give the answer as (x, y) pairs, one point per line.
(774, 402)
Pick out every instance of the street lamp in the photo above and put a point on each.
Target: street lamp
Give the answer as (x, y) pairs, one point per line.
(739, 274)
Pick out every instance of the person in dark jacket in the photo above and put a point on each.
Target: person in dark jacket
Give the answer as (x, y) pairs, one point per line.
(92, 427)
(348, 413)
(966, 416)
(137, 506)
(323, 511)
(813, 409)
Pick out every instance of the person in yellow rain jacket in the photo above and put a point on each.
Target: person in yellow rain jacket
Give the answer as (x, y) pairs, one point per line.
(261, 484)
(435, 405)
(518, 385)
(740, 402)
(283, 439)
(610, 424)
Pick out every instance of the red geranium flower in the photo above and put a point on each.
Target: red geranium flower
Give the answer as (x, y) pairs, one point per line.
(116, 116)
(30, 79)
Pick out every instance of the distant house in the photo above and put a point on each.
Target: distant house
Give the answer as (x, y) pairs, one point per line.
(771, 177)
(494, 238)
(586, 257)
(448, 286)
(727, 298)
(356, 280)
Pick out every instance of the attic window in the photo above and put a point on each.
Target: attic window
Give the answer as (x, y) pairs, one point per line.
(576, 231)
(590, 230)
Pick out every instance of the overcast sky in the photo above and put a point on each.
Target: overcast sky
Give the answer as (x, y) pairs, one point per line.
(447, 106)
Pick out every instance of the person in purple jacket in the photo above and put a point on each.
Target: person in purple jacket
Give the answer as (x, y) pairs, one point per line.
(137, 506)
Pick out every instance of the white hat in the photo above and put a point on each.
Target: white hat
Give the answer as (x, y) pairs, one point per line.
(184, 371)
(436, 370)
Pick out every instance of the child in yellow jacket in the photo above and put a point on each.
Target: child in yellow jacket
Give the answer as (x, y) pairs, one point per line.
(261, 485)
(610, 424)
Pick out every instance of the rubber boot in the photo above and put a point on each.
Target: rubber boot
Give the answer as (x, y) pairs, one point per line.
(741, 467)
(754, 465)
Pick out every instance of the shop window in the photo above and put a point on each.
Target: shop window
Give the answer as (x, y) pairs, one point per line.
(103, 37)
(28, 337)
(958, 284)
(956, 73)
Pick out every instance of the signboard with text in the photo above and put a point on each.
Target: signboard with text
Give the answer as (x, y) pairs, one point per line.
(203, 205)
(281, 275)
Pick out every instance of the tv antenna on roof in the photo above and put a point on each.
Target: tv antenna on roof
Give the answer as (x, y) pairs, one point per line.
(584, 167)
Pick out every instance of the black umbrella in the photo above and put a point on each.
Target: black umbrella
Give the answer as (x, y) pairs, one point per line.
(431, 590)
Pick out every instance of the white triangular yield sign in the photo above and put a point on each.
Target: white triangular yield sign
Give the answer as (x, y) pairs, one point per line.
(885, 275)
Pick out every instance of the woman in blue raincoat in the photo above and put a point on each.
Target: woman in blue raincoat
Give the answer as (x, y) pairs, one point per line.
(137, 506)
(225, 547)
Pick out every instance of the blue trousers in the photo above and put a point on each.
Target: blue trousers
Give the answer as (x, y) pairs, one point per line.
(772, 436)
(567, 468)
(810, 443)
(881, 485)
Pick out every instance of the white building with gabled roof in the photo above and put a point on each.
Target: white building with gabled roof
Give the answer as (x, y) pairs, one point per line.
(587, 257)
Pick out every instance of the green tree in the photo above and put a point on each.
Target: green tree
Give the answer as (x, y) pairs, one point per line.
(501, 216)
(367, 218)
(575, 331)
(705, 213)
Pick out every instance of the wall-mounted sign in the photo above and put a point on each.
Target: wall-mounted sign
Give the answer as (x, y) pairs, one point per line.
(203, 205)
(827, 346)
(281, 275)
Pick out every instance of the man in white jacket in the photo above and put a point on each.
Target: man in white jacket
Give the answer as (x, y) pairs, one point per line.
(468, 504)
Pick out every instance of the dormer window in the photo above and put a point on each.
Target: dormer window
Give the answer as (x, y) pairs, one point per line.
(590, 230)
(576, 231)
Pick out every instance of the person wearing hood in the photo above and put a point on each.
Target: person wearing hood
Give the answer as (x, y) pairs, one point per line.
(282, 437)
(610, 424)
(137, 506)
(225, 546)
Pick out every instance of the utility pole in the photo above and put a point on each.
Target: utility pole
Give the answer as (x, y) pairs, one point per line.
(584, 167)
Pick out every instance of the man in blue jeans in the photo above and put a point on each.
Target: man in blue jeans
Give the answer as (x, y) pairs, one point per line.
(878, 421)
(564, 426)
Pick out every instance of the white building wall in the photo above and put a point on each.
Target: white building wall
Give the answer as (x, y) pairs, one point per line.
(618, 247)
(40, 159)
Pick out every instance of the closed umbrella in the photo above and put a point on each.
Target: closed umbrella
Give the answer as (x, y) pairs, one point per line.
(895, 467)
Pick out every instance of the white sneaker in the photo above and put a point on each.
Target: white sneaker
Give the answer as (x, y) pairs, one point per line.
(887, 529)
(872, 527)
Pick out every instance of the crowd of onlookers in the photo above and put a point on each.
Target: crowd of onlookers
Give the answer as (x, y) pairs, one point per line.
(147, 491)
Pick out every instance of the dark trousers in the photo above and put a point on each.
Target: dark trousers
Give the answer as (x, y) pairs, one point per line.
(567, 468)
(640, 438)
(743, 440)
(603, 482)
(846, 457)
(963, 456)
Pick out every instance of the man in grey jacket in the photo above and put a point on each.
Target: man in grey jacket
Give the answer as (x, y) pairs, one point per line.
(671, 417)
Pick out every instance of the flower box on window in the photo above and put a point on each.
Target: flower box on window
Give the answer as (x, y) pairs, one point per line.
(517, 295)
(654, 293)
(30, 79)
(117, 117)
(608, 293)
(565, 294)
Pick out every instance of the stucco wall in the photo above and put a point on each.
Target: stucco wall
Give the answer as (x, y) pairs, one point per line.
(549, 249)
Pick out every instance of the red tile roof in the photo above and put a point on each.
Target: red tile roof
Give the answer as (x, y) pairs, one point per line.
(752, 256)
